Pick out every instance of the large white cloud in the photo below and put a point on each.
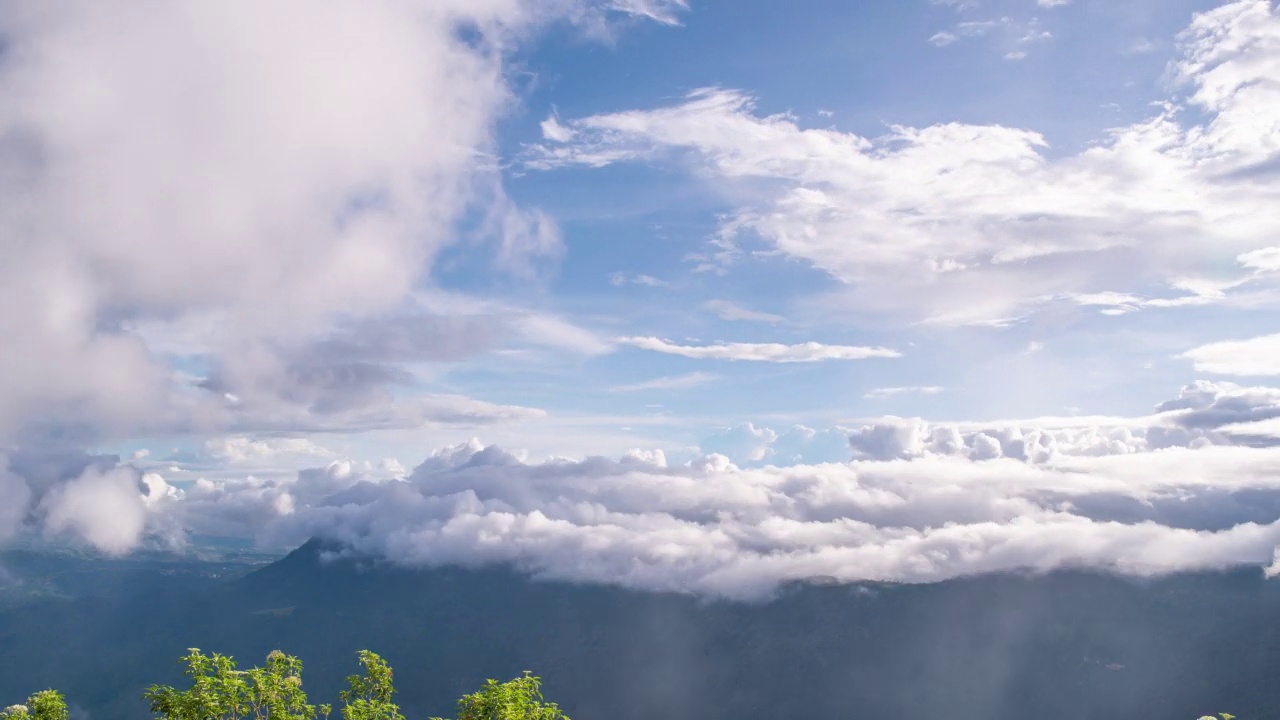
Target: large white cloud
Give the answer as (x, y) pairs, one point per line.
(104, 509)
(244, 186)
(959, 223)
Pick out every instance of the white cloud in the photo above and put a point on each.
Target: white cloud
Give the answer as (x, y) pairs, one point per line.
(1203, 414)
(1010, 34)
(967, 224)
(726, 310)
(241, 449)
(1142, 46)
(1255, 356)
(750, 446)
(1261, 260)
(619, 279)
(104, 509)
(666, 12)
(888, 392)
(1259, 429)
(761, 352)
(552, 331)
(671, 382)
(553, 130)
(745, 443)
(280, 184)
(713, 528)
(1052, 3)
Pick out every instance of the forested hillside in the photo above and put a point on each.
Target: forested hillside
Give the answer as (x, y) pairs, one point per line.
(1062, 645)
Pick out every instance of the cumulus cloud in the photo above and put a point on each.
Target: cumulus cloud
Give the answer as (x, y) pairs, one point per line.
(761, 352)
(1255, 356)
(232, 229)
(962, 224)
(255, 189)
(750, 446)
(1204, 414)
(104, 509)
(711, 527)
(241, 449)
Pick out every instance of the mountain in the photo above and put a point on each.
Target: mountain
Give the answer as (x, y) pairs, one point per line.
(1068, 644)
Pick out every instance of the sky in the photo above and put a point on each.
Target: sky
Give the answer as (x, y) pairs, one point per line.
(696, 295)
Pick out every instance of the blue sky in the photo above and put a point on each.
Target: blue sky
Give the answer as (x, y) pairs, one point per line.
(855, 68)
(261, 259)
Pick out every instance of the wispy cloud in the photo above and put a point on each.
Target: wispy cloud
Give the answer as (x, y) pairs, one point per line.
(726, 310)
(888, 392)
(1256, 356)
(1013, 35)
(943, 38)
(618, 279)
(666, 12)
(761, 352)
(669, 382)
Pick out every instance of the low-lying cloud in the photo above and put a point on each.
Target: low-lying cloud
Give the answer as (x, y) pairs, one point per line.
(919, 502)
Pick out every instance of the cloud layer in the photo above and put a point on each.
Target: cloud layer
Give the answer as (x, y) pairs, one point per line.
(919, 502)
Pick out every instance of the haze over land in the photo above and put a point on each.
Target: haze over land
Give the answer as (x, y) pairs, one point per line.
(699, 297)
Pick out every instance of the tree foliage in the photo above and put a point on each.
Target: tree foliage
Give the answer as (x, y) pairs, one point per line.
(44, 705)
(368, 696)
(221, 691)
(518, 699)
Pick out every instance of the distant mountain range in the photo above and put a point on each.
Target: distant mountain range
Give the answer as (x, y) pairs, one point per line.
(1032, 647)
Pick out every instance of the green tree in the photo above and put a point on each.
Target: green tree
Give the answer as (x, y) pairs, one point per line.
(221, 692)
(44, 705)
(517, 699)
(368, 696)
